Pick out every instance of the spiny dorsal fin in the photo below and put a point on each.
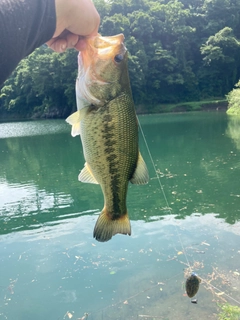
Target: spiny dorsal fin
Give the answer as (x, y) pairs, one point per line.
(86, 175)
(105, 227)
(140, 175)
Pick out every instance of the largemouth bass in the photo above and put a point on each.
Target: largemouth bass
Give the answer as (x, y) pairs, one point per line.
(107, 124)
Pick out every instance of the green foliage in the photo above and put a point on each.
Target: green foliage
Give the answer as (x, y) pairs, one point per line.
(229, 312)
(233, 98)
(41, 86)
(179, 51)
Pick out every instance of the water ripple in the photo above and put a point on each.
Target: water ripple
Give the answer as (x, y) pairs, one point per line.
(32, 128)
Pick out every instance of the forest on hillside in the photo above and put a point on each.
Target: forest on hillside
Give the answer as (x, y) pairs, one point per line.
(179, 50)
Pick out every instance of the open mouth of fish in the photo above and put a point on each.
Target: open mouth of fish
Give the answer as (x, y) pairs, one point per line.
(93, 65)
(103, 48)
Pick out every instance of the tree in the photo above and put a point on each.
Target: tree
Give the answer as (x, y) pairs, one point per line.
(179, 50)
(221, 60)
(42, 85)
(233, 98)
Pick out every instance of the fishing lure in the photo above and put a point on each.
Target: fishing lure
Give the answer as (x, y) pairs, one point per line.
(192, 285)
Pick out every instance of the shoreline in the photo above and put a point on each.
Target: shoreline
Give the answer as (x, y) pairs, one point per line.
(204, 105)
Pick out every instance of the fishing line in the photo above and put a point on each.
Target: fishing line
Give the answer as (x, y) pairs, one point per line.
(132, 296)
(170, 210)
(225, 294)
(158, 178)
(163, 192)
(151, 288)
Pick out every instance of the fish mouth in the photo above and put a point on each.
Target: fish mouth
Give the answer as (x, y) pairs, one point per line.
(96, 54)
(99, 47)
(103, 42)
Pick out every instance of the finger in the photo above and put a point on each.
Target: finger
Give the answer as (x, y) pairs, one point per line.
(58, 45)
(71, 40)
(81, 44)
(65, 40)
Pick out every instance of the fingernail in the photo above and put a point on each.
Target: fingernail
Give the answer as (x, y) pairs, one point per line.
(63, 47)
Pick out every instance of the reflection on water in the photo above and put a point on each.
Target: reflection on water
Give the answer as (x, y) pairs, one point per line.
(52, 268)
(31, 128)
(233, 130)
(65, 271)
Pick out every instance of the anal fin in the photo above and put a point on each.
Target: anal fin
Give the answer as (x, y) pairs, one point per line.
(86, 175)
(140, 175)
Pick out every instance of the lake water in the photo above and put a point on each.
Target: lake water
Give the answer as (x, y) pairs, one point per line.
(52, 268)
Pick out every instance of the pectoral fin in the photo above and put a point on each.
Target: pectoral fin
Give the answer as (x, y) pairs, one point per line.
(140, 175)
(86, 175)
(75, 119)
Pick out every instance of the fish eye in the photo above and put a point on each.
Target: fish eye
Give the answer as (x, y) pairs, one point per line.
(118, 58)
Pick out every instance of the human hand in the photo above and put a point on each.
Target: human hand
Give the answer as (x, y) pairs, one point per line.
(75, 20)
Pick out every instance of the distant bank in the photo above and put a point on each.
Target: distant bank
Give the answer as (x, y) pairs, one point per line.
(204, 105)
(53, 113)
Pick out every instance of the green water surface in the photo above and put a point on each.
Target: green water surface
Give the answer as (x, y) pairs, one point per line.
(52, 268)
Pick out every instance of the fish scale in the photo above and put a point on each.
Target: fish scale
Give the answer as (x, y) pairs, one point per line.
(107, 123)
(107, 164)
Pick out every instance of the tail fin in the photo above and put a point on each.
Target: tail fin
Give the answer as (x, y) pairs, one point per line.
(106, 227)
